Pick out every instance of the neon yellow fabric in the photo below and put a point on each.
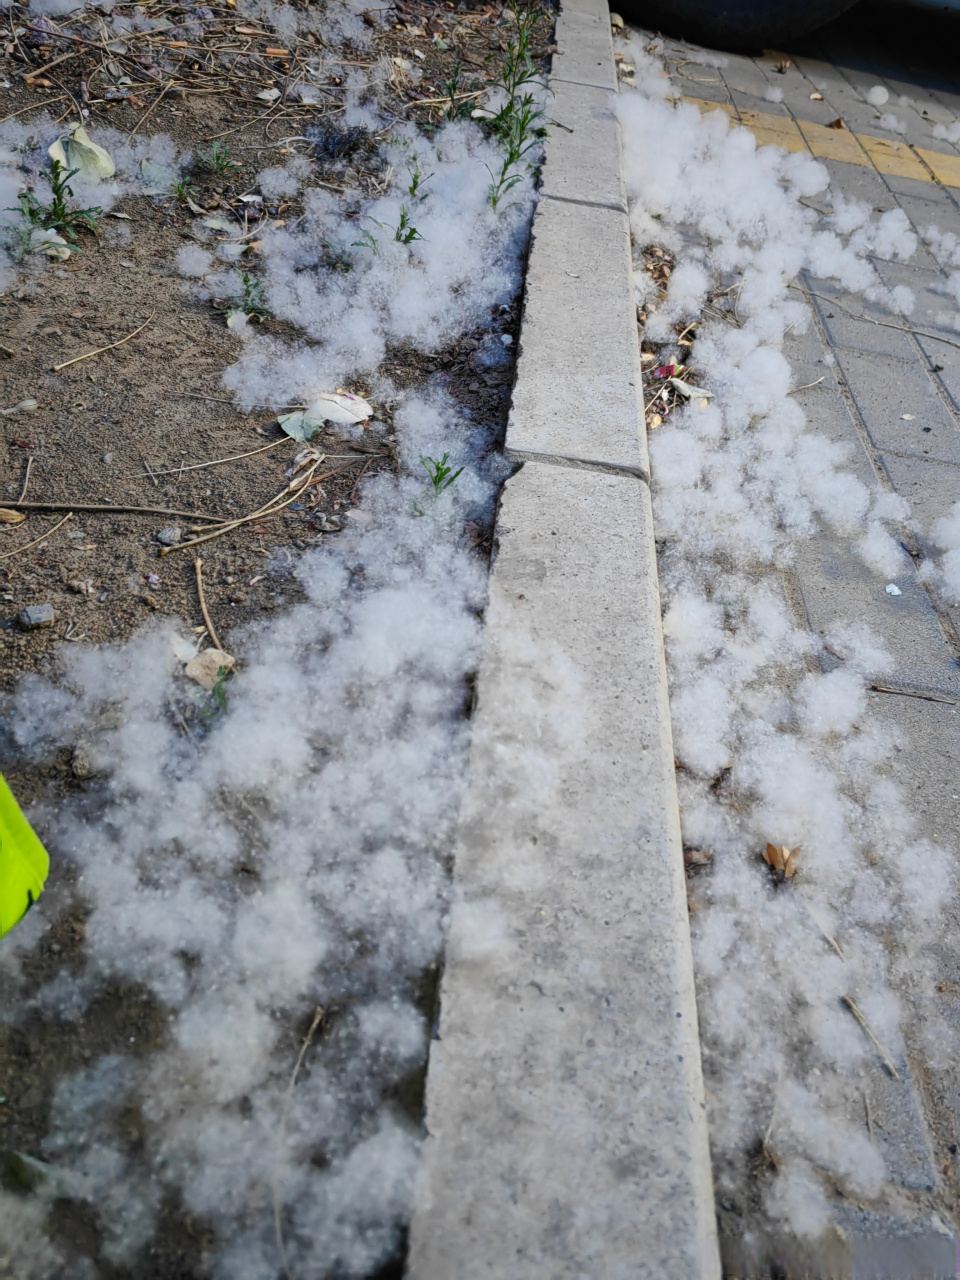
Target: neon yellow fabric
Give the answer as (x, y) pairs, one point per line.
(23, 862)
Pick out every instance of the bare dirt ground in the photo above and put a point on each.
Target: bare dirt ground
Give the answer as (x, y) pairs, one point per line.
(124, 428)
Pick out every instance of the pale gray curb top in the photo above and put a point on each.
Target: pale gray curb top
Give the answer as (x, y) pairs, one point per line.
(565, 1114)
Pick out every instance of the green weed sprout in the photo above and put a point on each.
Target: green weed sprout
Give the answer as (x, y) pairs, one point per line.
(183, 191)
(406, 232)
(57, 216)
(417, 181)
(218, 162)
(254, 303)
(517, 124)
(441, 476)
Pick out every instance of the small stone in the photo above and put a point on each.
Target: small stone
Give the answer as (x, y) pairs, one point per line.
(107, 458)
(84, 762)
(169, 536)
(36, 616)
(205, 668)
(237, 597)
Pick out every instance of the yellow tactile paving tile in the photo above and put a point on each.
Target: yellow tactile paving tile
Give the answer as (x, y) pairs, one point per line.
(892, 157)
(887, 155)
(833, 144)
(768, 129)
(706, 106)
(946, 168)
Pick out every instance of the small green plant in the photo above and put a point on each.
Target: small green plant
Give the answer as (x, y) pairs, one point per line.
(406, 232)
(337, 257)
(520, 135)
(517, 124)
(219, 694)
(57, 216)
(417, 182)
(254, 302)
(367, 240)
(183, 191)
(219, 691)
(458, 108)
(218, 162)
(441, 476)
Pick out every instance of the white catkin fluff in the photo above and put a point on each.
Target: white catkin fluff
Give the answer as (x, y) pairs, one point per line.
(773, 731)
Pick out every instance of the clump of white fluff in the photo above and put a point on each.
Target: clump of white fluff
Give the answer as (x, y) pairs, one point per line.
(773, 727)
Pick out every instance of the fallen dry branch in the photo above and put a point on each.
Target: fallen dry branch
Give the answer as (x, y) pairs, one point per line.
(100, 350)
(217, 462)
(904, 693)
(275, 505)
(17, 550)
(211, 629)
(110, 508)
(867, 1031)
(885, 324)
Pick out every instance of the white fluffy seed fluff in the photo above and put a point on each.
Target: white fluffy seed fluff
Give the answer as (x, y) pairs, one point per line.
(764, 711)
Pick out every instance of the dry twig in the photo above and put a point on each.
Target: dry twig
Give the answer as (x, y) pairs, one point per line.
(26, 480)
(198, 466)
(211, 629)
(867, 1031)
(16, 551)
(277, 1204)
(110, 508)
(100, 350)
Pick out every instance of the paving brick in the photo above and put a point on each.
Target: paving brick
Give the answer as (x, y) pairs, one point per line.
(846, 331)
(884, 393)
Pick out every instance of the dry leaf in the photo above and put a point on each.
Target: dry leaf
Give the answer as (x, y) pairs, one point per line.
(781, 860)
(655, 421)
(816, 97)
(11, 517)
(696, 857)
(76, 151)
(206, 667)
(836, 124)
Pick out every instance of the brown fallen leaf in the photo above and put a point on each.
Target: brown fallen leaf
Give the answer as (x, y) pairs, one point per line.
(696, 858)
(11, 517)
(781, 860)
(836, 124)
(816, 97)
(655, 421)
(949, 988)
(782, 66)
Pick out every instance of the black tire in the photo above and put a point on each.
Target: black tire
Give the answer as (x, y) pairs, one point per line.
(734, 24)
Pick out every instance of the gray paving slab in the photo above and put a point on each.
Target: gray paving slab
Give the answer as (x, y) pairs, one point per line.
(582, 149)
(861, 182)
(846, 331)
(930, 487)
(576, 394)
(935, 309)
(584, 47)
(914, 1120)
(945, 359)
(742, 75)
(838, 588)
(924, 203)
(900, 406)
(566, 1138)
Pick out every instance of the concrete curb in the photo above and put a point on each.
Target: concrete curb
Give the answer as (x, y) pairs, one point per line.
(565, 1113)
